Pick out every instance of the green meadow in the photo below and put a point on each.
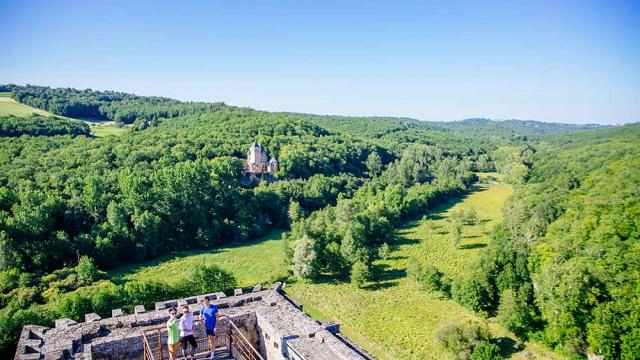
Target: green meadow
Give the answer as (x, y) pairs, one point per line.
(393, 318)
(8, 106)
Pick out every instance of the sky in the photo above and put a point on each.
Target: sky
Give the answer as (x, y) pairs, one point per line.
(561, 61)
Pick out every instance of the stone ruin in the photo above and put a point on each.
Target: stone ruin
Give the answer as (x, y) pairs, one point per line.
(269, 319)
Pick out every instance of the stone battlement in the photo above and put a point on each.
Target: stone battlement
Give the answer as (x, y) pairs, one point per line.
(272, 322)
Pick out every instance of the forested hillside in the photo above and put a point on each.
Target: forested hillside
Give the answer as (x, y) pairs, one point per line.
(104, 105)
(564, 266)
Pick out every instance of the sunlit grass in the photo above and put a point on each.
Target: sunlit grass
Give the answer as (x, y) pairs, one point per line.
(257, 262)
(106, 130)
(10, 107)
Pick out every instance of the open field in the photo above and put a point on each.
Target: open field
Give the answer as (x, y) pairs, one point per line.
(395, 318)
(105, 130)
(8, 106)
(256, 262)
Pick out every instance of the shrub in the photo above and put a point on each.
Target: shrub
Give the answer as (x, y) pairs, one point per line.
(207, 279)
(74, 306)
(432, 278)
(9, 280)
(486, 351)
(460, 339)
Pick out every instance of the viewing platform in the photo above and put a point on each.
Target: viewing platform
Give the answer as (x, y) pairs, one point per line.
(263, 324)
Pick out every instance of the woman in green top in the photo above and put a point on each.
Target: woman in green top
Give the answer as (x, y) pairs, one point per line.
(173, 334)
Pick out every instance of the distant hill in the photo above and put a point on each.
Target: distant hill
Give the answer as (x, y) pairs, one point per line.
(510, 128)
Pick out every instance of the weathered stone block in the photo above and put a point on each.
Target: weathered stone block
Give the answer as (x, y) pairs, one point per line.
(116, 312)
(257, 288)
(139, 309)
(64, 323)
(237, 292)
(92, 317)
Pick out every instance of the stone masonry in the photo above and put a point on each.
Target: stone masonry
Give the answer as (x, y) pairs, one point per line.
(269, 319)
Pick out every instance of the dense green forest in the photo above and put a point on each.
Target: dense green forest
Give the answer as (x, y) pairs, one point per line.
(36, 125)
(563, 267)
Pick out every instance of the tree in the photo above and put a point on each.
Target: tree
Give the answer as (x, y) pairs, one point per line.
(87, 271)
(384, 251)
(207, 279)
(374, 164)
(360, 274)
(455, 231)
(513, 313)
(304, 258)
(296, 213)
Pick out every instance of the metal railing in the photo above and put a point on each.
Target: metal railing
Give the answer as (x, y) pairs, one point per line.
(239, 346)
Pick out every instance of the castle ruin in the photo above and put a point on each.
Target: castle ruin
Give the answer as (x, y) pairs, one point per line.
(258, 166)
(264, 324)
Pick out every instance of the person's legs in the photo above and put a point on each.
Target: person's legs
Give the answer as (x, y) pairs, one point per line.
(194, 345)
(184, 342)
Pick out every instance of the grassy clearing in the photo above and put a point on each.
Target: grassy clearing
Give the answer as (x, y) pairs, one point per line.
(257, 262)
(9, 106)
(395, 318)
(5, 94)
(106, 130)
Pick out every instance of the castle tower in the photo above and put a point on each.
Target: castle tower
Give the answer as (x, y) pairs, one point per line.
(257, 159)
(273, 166)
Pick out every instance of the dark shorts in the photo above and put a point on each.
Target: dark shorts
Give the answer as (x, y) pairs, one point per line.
(189, 339)
(210, 332)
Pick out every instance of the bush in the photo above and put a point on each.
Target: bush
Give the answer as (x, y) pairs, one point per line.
(74, 306)
(431, 278)
(86, 270)
(207, 279)
(461, 339)
(486, 351)
(143, 293)
(9, 280)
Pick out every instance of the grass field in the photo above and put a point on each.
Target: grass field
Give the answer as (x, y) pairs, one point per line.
(8, 106)
(258, 262)
(393, 318)
(106, 130)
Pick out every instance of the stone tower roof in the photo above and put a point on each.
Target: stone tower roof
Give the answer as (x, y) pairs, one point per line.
(271, 321)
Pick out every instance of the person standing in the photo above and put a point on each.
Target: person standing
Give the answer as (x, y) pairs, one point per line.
(187, 328)
(173, 334)
(209, 315)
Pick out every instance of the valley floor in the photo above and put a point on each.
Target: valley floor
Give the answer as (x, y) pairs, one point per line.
(393, 318)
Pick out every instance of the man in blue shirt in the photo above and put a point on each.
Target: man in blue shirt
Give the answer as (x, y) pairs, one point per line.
(209, 315)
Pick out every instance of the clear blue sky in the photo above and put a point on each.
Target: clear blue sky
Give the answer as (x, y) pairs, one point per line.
(566, 61)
